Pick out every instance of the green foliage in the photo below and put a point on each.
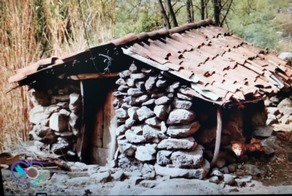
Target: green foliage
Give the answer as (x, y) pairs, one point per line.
(137, 16)
(254, 21)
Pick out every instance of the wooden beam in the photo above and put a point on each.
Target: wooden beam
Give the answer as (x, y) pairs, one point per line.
(92, 76)
(218, 135)
(80, 146)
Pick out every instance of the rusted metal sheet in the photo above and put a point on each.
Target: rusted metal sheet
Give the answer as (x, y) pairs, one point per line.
(198, 49)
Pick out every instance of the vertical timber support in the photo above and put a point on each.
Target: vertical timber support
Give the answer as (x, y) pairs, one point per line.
(218, 135)
(81, 134)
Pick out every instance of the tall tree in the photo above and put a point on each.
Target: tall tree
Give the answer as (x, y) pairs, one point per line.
(204, 9)
(217, 11)
(227, 6)
(164, 15)
(171, 13)
(221, 9)
(190, 11)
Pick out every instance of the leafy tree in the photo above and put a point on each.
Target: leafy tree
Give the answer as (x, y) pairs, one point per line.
(255, 21)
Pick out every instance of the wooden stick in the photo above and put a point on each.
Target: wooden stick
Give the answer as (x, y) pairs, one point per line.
(218, 135)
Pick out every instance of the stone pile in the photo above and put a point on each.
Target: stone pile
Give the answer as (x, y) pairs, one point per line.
(279, 109)
(55, 119)
(156, 123)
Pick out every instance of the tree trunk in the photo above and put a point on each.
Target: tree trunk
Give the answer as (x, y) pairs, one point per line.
(171, 13)
(190, 11)
(227, 11)
(217, 11)
(202, 9)
(164, 15)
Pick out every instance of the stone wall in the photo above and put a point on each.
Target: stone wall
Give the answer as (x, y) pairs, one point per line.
(156, 123)
(279, 109)
(55, 119)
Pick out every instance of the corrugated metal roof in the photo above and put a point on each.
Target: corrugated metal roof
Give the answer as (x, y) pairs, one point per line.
(225, 66)
(220, 65)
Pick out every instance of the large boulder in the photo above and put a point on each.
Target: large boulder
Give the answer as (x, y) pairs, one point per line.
(173, 87)
(59, 122)
(183, 130)
(180, 172)
(126, 148)
(39, 113)
(162, 100)
(141, 99)
(184, 159)
(163, 157)
(286, 56)
(137, 76)
(182, 116)
(172, 143)
(150, 82)
(74, 99)
(182, 104)
(132, 112)
(154, 121)
(144, 113)
(132, 137)
(134, 92)
(121, 113)
(41, 130)
(161, 83)
(263, 131)
(146, 153)
(285, 106)
(151, 133)
(161, 111)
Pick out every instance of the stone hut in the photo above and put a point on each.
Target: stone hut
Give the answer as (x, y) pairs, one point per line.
(168, 98)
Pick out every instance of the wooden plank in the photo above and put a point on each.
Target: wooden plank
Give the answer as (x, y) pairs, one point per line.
(92, 76)
(108, 114)
(80, 146)
(98, 130)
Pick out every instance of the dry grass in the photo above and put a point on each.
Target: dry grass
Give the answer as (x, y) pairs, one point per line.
(35, 29)
(17, 49)
(283, 22)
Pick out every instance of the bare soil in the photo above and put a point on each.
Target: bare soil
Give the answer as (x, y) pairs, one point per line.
(279, 170)
(275, 179)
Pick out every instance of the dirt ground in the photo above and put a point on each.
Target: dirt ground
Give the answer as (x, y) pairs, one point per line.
(278, 169)
(276, 178)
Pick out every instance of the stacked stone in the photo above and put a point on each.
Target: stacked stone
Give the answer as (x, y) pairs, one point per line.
(55, 119)
(279, 110)
(156, 125)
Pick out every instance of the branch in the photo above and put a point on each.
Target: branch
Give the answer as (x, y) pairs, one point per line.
(164, 15)
(171, 12)
(179, 9)
(228, 9)
(224, 4)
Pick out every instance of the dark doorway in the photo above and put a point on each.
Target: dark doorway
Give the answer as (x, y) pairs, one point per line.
(98, 111)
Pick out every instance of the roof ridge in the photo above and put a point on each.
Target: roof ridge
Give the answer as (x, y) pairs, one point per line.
(131, 37)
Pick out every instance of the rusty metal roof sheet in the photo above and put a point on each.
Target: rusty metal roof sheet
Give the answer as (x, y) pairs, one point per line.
(219, 65)
(226, 66)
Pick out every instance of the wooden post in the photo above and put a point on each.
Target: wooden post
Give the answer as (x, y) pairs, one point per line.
(80, 140)
(218, 135)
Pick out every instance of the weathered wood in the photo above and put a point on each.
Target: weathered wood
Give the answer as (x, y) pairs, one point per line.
(92, 76)
(108, 114)
(145, 60)
(80, 146)
(218, 135)
(98, 130)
